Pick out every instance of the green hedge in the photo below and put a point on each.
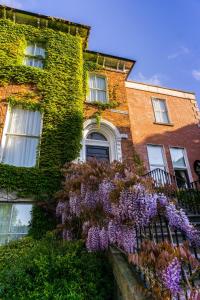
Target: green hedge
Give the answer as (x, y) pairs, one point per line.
(51, 269)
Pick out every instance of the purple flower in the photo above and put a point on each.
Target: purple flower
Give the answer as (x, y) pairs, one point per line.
(128, 242)
(176, 218)
(93, 239)
(104, 241)
(75, 205)
(60, 208)
(171, 276)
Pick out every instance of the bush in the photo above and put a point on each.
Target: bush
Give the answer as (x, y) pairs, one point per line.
(52, 269)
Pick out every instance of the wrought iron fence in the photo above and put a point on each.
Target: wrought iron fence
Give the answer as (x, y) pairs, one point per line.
(160, 231)
(186, 193)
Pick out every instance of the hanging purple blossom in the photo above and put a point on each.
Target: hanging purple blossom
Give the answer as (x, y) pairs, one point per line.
(93, 239)
(104, 241)
(162, 200)
(75, 205)
(128, 242)
(60, 208)
(105, 188)
(91, 199)
(171, 276)
(176, 218)
(113, 229)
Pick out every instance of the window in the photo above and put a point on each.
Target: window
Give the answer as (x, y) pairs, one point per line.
(156, 158)
(34, 55)
(21, 138)
(14, 221)
(180, 167)
(160, 111)
(156, 161)
(97, 146)
(97, 85)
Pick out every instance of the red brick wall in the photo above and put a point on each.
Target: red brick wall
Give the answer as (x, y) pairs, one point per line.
(117, 92)
(184, 131)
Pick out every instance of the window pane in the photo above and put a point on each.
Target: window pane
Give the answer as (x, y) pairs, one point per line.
(96, 136)
(24, 122)
(101, 83)
(177, 155)
(5, 214)
(30, 49)
(14, 221)
(21, 216)
(20, 151)
(28, 61)
(160, 111)
(92, 81)
(101, 96)
(155, 155)
(93, 94)
(40, 51)
(164, 117)
(38, 63)
(98, 152)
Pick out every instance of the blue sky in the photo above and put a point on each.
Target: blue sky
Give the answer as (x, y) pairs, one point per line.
(162, 36)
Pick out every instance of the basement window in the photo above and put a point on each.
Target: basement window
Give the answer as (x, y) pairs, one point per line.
(98, 89)
(35, 55)
(14, 221)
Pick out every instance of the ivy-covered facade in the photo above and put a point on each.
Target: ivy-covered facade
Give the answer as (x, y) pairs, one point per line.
(49, 115)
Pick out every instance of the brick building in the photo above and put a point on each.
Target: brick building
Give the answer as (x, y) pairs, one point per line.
(161, 124)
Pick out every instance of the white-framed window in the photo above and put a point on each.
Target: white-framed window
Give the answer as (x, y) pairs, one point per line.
(156, 157)
(97, 146)
(14, 220)
(160, 111)
(101, 141)
(21, 137)
(34, 55)
(180, 166)
(98, 88)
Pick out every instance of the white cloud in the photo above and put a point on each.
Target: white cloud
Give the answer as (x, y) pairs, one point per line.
(12, 3)
(154, 79)
(196, 74)
(181, 51)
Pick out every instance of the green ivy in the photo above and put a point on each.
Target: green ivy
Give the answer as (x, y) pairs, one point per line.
(60, 89)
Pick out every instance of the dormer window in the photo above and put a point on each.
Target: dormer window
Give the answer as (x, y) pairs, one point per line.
(35, 55)
(98, 89)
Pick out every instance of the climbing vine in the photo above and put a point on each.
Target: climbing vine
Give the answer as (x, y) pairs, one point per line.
(58, 92)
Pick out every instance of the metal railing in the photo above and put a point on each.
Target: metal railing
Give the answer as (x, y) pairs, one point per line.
(160, 231)
(186, 193)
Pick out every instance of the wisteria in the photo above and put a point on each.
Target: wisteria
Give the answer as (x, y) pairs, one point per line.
(111, 205)
(171, 276)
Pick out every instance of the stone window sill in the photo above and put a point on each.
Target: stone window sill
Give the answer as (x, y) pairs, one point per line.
(164, 124)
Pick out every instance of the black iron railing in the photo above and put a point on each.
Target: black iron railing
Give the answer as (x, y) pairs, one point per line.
(160, 231)
(186, 193)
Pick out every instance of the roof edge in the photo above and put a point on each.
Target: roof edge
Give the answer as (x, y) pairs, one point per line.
(161, 87)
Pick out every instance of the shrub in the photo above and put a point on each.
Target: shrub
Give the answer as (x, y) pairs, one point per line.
(53, 269)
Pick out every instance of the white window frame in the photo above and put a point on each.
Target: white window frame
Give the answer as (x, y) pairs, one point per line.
(35, 57)
(187, 167)
(96, 89)
(163, 155)
(5, 134)
(9, 233)
(110, 132)
(153, 99)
